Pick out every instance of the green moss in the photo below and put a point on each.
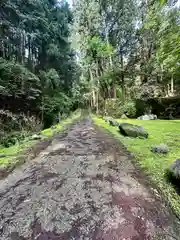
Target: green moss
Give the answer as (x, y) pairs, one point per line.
(48, 132)
(9, 155)
(161, 131)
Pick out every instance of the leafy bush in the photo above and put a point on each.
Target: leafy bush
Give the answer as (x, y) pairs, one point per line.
(15, 127)
(116, 108)
(129, 108)
(20, 82)
(11, 138)
(54, 106)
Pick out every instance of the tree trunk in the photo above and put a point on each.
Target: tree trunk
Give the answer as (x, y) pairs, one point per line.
(172, 84)
(23, 44)
(2, 52)
(114, 88)
(93, 92)
(168, 90)
(107, 41)
(97, 93)
(97, 102)
(161, 73)
(59, 117)
(42, 111)
(94, 98)
(122, 76)
(91, 102)
(29, 53)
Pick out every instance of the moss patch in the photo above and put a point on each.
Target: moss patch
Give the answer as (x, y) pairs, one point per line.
(155, 165)
(9, 155)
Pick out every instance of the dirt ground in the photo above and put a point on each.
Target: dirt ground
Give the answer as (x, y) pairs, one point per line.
(83, 186)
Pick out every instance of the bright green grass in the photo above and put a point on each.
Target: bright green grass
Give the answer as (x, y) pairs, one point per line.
(14, 151)
(160, 131)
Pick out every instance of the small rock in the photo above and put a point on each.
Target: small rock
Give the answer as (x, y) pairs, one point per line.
(175, 168)
(36, 137)
(3, 171)
(162, 148)
(113, 123)
(107, 119)
(124, 116)
(148, 117)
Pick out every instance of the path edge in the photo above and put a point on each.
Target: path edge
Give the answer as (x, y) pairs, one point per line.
(34, 150)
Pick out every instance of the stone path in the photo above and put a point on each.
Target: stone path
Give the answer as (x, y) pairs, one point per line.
(83, 186)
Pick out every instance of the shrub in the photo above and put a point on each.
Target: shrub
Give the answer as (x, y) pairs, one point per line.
(10, 139)
(17, 82)
(116, 108)
(129, 108)
(15, 127)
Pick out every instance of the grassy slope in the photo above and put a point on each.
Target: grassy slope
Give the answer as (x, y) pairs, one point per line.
(155, 165)
(13, 152)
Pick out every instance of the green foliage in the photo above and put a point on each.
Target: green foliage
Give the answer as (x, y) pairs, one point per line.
(54, 101)
(104, 32)
(49, 80)
(15, 127)
(163, 2)
(116, 108)
(37, 64)
(12, 138)
(20, 83)
(169, 41)
(162, 26)
(129, 108)
(13, 153)
(101, 48)
(113, 107)
(59, 103)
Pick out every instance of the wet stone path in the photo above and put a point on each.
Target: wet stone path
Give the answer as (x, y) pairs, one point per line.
(83, 186)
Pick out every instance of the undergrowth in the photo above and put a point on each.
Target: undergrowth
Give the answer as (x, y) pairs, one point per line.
(8, 155)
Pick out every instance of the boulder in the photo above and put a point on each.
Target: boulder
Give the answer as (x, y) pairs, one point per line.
(148, 117)
(111, 121)
(175, 169)
(107, 119)
(132, 130)
(162, 148)
(36, 137)
(124, 116)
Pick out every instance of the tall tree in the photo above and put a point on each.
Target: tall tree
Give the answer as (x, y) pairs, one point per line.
(109, 25)
(34, 40)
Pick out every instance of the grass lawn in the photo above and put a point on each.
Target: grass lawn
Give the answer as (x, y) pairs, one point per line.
(156, 165)
(12, 153)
